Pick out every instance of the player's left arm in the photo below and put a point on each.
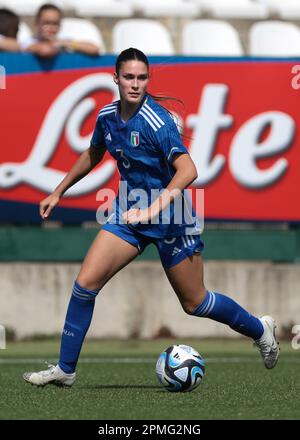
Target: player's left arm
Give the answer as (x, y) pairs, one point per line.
(176, 155)
(185, 174)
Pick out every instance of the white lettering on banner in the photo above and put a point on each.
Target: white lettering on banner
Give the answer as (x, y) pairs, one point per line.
(246, 148)
(72, 106)
(206, 125)
(33, 170)
(79, 143)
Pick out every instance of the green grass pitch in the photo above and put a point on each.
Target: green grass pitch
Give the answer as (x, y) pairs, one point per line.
(116, 380)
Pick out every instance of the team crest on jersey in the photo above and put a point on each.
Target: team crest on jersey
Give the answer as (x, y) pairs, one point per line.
(135, 138)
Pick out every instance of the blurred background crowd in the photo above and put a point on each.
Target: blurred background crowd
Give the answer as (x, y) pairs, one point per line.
(158, 27)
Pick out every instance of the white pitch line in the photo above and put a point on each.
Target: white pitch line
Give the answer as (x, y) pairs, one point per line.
(132, 360)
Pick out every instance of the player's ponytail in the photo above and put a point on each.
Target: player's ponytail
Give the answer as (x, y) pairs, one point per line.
(160, 98)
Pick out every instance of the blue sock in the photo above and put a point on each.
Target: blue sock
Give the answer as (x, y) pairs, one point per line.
(223, 309)
(78, 319)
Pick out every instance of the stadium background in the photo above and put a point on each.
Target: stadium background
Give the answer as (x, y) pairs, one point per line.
(252, 233)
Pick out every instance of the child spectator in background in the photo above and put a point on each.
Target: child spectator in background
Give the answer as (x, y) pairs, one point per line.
(46, 43)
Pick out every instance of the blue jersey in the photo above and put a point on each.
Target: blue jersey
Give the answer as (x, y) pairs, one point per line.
(144, 147)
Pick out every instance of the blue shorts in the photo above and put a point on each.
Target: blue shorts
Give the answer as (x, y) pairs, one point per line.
(171, 250)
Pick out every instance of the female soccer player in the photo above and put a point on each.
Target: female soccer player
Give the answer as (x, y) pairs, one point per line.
(143, 138)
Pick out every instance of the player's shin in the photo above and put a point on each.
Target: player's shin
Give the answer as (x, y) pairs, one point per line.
(223, 309)
(78, 319)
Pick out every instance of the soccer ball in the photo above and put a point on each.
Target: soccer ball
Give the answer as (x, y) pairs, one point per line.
(180, 368)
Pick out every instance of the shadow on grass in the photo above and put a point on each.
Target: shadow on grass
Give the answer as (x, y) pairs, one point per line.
(121, 387)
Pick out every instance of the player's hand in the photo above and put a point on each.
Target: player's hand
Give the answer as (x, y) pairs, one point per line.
(47, 205)
(136, 216)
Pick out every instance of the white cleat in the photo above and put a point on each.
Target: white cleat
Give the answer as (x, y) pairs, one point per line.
(267, 344)
(53, 375)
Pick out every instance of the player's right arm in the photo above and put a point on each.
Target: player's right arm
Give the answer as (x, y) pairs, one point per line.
(85, 163)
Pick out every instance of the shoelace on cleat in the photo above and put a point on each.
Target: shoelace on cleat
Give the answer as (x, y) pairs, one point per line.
(264, 347)
(48, 371)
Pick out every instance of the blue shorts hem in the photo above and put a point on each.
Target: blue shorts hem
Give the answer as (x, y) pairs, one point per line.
(110, 228)
(181, 258)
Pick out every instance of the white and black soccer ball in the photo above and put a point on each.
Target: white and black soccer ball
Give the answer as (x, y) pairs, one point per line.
(180, 368)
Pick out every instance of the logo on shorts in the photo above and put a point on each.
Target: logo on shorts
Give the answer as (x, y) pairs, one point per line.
(176, 251)
(135, 138)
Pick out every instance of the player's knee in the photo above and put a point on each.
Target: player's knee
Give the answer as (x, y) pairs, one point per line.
(88, 284)
(188, 308)
(190, 305)
(91, 281)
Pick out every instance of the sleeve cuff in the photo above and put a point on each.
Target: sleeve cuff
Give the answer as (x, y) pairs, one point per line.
(175, 150)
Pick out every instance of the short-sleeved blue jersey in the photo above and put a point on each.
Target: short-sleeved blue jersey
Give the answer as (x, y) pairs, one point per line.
(144, 147)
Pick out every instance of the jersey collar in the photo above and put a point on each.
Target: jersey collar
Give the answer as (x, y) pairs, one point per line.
(121, 123)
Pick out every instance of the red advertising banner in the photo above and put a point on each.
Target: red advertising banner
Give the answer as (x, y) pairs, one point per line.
(240, 121)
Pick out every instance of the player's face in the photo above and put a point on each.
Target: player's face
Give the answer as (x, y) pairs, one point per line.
(132, 80)
(48, 24)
